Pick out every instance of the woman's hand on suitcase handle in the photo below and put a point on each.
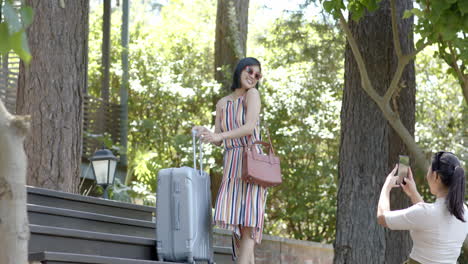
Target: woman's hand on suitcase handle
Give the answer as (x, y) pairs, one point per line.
(208, 136)
(200, 130)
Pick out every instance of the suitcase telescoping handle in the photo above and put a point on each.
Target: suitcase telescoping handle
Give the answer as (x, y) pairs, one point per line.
(194, 139)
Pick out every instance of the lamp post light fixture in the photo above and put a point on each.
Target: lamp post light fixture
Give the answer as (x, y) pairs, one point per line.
(104, 163)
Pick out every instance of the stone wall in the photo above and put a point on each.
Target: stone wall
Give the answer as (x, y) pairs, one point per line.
(282, 251)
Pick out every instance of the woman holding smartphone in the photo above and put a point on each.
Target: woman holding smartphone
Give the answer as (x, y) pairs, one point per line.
(437, 229)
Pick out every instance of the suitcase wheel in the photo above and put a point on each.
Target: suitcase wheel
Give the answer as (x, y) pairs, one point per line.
(190, 260)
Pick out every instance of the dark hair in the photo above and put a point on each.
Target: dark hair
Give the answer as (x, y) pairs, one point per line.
(240, 67)
(447, 166)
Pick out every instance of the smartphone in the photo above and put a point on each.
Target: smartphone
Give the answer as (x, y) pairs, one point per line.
(402, 171)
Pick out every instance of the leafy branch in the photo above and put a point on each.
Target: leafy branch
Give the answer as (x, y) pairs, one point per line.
(13, 24)
(443, 22)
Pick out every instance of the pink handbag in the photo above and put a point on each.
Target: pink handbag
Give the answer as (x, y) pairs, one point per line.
(261, 169)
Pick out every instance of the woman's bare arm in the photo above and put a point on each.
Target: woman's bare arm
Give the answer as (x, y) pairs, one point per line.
(219, 110)
(384, 200)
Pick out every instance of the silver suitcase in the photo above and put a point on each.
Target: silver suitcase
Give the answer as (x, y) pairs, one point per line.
(183, 213)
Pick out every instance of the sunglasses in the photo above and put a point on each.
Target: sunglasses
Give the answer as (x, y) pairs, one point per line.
(250, 71)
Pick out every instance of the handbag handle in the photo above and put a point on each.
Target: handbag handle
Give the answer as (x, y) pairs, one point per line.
(270, 146)
(265, 144)
(269, 139)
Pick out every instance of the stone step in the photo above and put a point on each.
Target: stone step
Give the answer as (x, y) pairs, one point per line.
(72, 219)
(48, 257)
(65, 240)
(57, 199)
(55, 239)
(222, 255)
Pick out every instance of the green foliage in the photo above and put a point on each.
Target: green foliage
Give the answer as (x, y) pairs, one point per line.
(13, 24)
(137, 193)
(441, 109)
(332, 6)
(171, 82)
(357, 8)
(171, 86)
(144, 165)
(441, 113)
(303, 69)
(445, 23)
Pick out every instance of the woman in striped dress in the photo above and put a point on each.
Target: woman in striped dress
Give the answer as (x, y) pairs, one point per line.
(240, 206)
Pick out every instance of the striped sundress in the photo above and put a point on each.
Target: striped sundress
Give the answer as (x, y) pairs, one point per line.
(239, 204)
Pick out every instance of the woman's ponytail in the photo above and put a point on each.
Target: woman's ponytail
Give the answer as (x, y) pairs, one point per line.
(448, 167)
(456, 195)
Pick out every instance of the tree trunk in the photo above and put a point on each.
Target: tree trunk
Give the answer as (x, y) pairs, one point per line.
(369, 147)
(231, 38)
(230, 47)
(14, 228)
(51, 89)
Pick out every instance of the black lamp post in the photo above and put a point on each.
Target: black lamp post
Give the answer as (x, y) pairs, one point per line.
(104, 163)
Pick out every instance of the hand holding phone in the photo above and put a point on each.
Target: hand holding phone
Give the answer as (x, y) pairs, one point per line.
(402, 171)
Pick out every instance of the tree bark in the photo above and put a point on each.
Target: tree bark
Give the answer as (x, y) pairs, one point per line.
(369, 147)
(463, 79)
(230, 47)
(51, 89)
(398, 243)
(227, 53)
(14, 228)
